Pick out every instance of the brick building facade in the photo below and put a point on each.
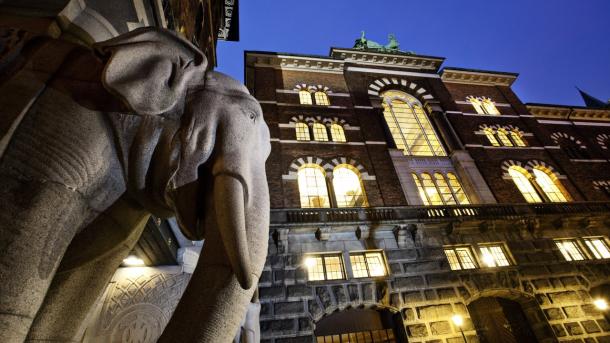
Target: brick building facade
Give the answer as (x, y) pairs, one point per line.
(475, 217)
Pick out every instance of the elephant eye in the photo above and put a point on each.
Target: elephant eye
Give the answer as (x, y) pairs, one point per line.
(252, 116)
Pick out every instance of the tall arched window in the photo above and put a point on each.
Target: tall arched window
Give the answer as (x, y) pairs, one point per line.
(319, 132)
(517, 138)
(312, 186)
(521, 178)
(437, 191)
(477, 104)
(409, 125)
(305, 97)
(337, 133)
(491, 137)
(457, 189)
(503, 137)
(489, 106)
(347, 184)
(549, 186)
(321, 98)
(302, 131)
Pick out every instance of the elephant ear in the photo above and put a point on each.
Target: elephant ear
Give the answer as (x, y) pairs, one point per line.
(150, 69)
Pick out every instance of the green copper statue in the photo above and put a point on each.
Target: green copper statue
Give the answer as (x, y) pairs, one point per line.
(365, 44)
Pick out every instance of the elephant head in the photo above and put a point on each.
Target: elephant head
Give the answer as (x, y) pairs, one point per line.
(200, 150)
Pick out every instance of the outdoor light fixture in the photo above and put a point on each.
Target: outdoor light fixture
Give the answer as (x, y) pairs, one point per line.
(133, 261)
(489, 260)
(459, 321)
(601, 304)
(310, 262)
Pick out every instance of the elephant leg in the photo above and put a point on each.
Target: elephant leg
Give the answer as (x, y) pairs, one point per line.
(37, 222)
(87, 268)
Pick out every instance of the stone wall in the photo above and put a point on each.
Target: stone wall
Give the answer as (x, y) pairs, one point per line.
(553, 293)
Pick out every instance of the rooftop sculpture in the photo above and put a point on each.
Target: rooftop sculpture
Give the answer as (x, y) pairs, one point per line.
(363, 43)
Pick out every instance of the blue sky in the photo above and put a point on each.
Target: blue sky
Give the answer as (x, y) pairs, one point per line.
(553, 44)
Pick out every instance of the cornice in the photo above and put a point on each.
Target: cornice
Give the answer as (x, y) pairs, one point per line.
(388, 59)
(568, 113)
(285, 61)
(478, 77)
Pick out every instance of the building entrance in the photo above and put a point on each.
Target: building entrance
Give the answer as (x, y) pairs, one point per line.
(500, 320)
(359, 326)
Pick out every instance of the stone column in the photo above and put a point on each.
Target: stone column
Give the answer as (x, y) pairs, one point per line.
(471, 178)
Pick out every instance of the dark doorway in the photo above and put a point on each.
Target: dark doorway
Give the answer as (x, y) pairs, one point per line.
(500, 320)
(360, 326)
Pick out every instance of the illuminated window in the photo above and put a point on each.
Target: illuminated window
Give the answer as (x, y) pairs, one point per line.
(409, 125)
(598, 247)
(348, 188)
(305, 97)
(460, 258)
(503, 137)
(368, 264)
(477, 104)
(570, 250)
(521, 178)
(312, 186)
(319, 132)
(549, 186)
(489, 106)
(437, 191)
(517, 138)
(491, 137)
(321, 98)
(337, 133)
(324, 267)
(302, 131)
(494, 255)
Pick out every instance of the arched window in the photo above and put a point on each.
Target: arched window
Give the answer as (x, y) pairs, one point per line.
(491, 137)
(321, 98)
(503, 137)
(517, 138)
(348, 188)
(319, 132)
(549, 186)
(312, 186)
(489, 106)
(302, 131)
(521, 178)
(437, 191)
(337, 133)
(477, 104)
(409, 125)
(305, 97)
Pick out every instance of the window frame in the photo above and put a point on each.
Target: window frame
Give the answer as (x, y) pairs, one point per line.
(421, 183)
(454, 249)
(300, 125)
(319, 129)
(326, 98)
(594, 251)
(302, 97)
(384, 263)
(582, 250)
(323, 256)
(505, 252)
(340, 132)
(358, 175)
(308, 195)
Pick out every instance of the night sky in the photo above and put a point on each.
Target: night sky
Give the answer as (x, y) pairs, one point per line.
(554, 45)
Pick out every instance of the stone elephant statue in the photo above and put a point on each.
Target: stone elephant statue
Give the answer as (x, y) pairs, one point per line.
(95, 140)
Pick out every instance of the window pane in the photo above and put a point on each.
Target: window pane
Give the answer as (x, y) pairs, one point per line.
(457, 189)
(598, 247)
(517, 138)
(549, 187)
(334, 267)
(315, 269)
(420, 188)
(443, 189)
(476, 103)
(302, 131)
(489, 133)
(312, 187)
(409, 125)
(348, 187)
(305, 97)
(337, 133)
(465, 257)
(454, 264)
(494, 256)
(319, 132)
(489, 107)
(358, 265)
(570, 250)
(504, 138)
(430, 189)
(524, 185)
(375, 263)
(321, 98)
